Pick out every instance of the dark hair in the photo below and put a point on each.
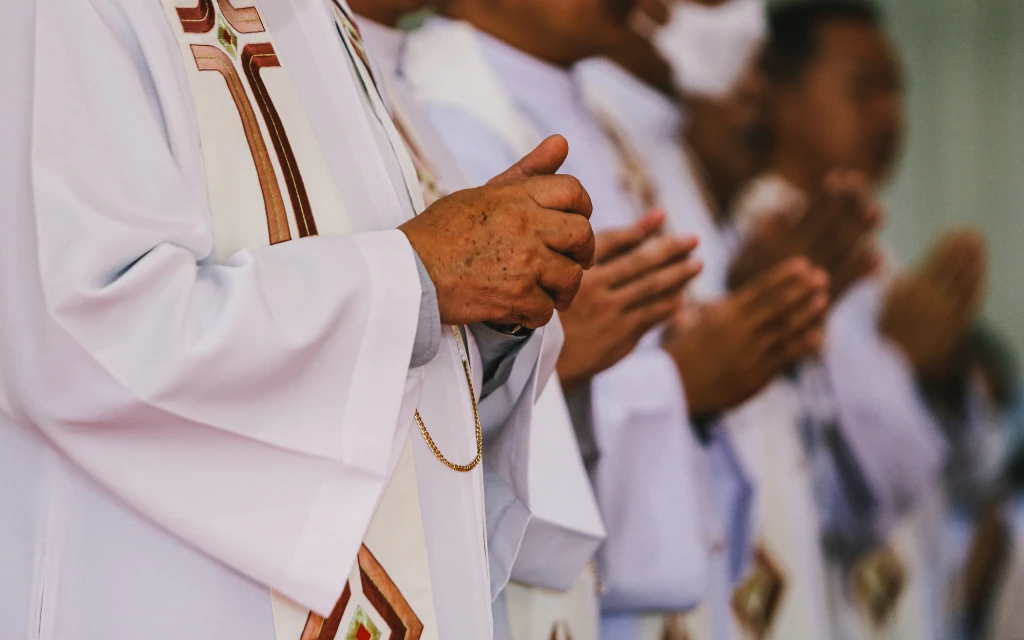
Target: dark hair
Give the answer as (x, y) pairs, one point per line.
(794, 28)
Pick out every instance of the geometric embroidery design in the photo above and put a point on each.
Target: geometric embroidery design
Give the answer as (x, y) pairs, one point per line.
(389, 602)
(362, 628)
(382, 594)
(255, 57)
(564, 628)
(318, 628)
(226, 37)
(230, 21)
(756, 601)
(245, 20)
(877, 582)
(211, 58)
(675, 628)
(199, 19)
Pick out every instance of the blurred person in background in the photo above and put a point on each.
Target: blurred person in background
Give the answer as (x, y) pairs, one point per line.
(499, 81)
(635, 285)
(836, 86)
(700, 136)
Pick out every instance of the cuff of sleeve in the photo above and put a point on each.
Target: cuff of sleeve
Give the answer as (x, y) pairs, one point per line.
(428, 330)
(395, 298)
(498, 352)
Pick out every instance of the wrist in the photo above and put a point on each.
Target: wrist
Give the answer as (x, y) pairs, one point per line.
(570, 376)
(515, 330)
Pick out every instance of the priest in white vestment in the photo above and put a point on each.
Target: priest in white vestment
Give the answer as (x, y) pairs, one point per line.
(560, 527)
(787, 561)
(644, 388)
(713, 169)
(893, 345)
(489, 98)
(216, 342)
(556, 522)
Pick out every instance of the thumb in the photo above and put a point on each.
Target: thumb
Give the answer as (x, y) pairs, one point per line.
(546, 159)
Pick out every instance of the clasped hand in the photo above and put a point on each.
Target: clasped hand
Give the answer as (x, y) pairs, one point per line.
(512, 251)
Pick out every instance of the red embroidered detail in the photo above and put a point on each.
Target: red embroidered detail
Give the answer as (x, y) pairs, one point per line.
(382, 593)
(198, 19)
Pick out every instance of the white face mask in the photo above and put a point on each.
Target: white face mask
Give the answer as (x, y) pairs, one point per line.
(710, 47)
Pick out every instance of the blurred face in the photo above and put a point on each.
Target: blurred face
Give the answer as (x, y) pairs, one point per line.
(658, 10)
(731, 135)
(846, 110)
(584, 26)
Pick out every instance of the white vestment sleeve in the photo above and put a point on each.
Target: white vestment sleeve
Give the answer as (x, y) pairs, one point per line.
(251, 407)
(882, 418)
(655, 556)
(506, 415)
(544, 537)
(521, 546)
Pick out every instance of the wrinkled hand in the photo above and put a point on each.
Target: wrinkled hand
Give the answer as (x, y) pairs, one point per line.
(929, 311)
(636, 284)
(835, 233)
(510, 252)
(728, 350)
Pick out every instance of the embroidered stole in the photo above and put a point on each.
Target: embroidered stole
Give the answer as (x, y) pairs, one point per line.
(879, 596)
(541, 614)
(426, 172)
(634, 178)
(268, 183)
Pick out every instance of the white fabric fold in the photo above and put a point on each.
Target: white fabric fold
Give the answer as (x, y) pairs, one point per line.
(655, 557)
(229, 401)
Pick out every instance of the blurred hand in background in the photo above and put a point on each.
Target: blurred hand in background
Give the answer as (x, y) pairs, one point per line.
(636, 284)
(929, 311)
(836, 233)
(729, 349)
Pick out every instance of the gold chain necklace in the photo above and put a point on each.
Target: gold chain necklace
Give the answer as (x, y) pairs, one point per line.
(461, 468)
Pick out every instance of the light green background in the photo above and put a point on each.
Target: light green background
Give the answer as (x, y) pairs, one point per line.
(964, 161)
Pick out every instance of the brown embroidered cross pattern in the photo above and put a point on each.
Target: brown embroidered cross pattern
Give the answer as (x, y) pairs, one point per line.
(226, 21)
